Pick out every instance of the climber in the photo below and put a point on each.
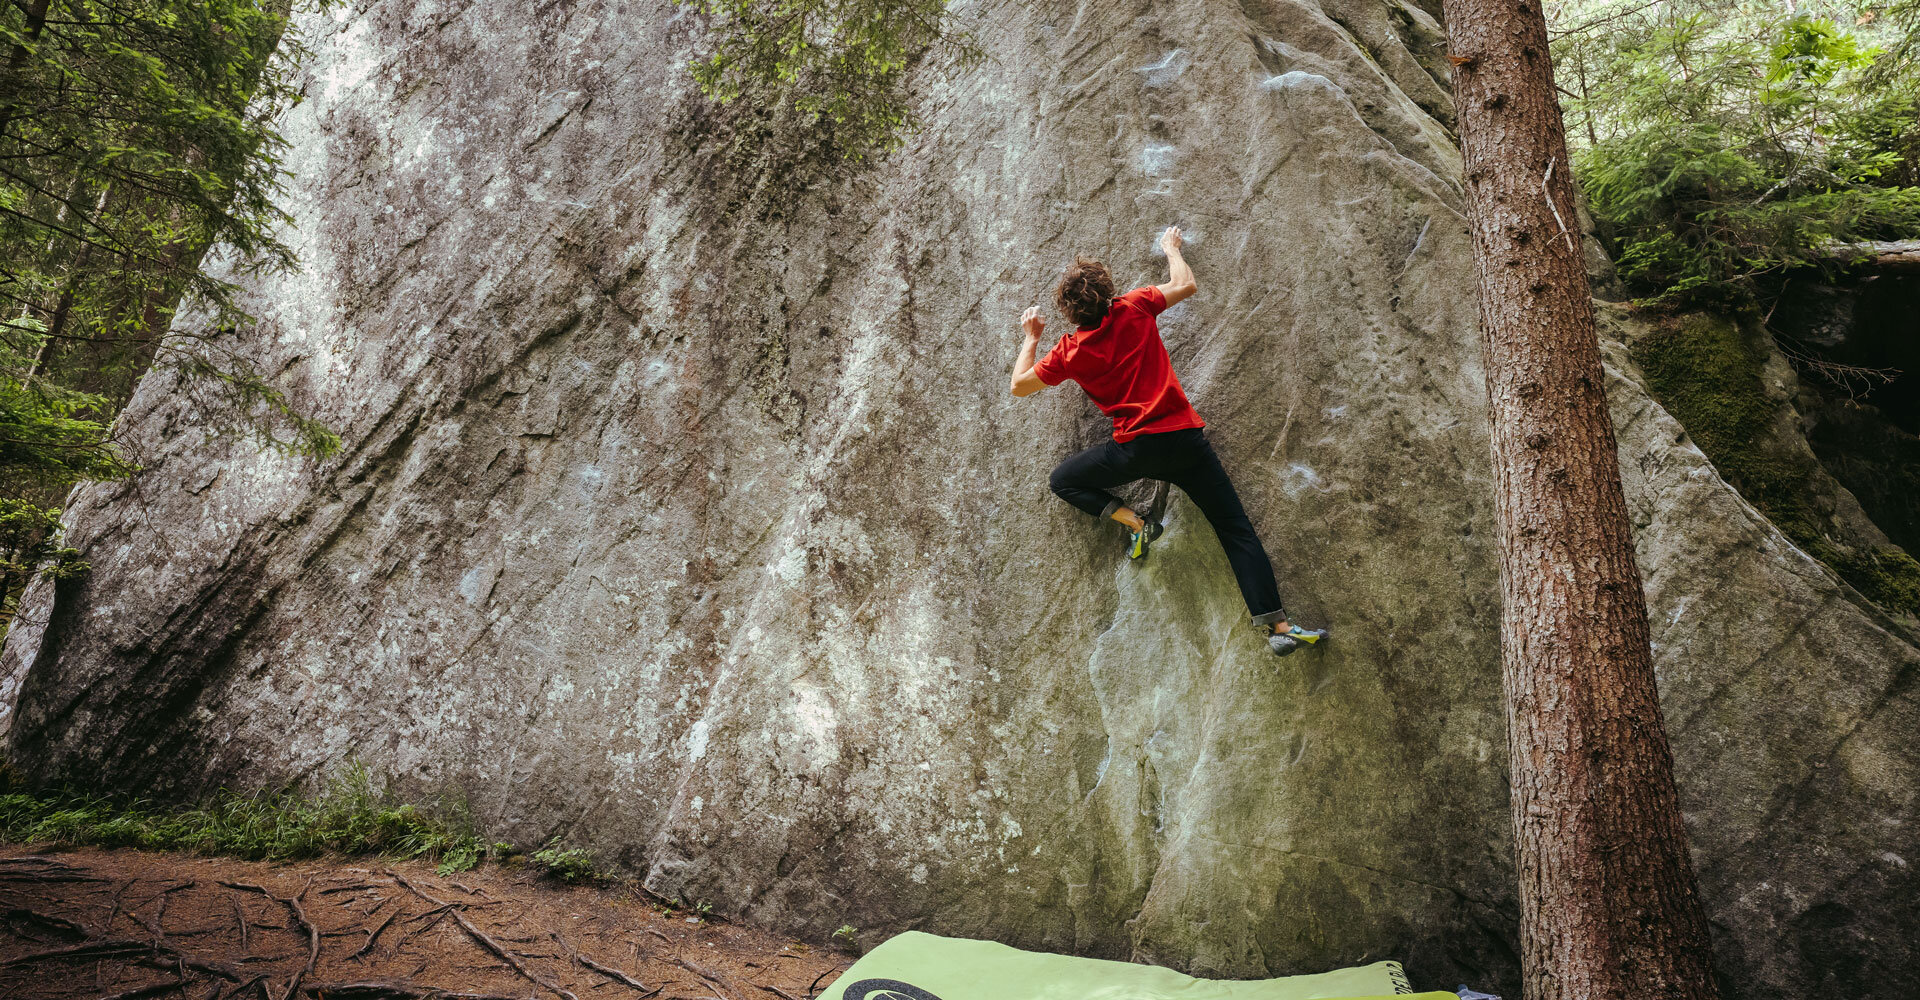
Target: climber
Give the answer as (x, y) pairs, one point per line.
(1117, 357)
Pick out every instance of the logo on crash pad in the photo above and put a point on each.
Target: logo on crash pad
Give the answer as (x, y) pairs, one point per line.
(886, 989)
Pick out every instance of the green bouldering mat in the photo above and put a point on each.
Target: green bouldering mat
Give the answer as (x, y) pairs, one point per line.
(916, 966)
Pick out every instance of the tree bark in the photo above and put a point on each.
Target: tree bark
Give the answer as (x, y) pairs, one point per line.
(1607, 891)
(35, 14)
(1882, 256)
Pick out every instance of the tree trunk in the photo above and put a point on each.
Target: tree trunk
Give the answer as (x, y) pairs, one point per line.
(1607, 896)
(35, 14)
(1882, 256)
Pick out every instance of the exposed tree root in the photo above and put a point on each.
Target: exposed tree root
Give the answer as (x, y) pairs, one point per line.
(614, 974)
(374, 935)
(168, 936)
(486, 941)
(58, 926)
(93, 949)
(357, 886)
(719, 982)
(149, 991)
(380, 990)
(299, 915)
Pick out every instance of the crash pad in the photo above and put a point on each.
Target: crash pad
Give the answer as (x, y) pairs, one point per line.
(916, 966)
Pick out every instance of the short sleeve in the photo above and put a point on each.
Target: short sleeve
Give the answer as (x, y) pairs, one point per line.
(1052, 369)
(1146, 298)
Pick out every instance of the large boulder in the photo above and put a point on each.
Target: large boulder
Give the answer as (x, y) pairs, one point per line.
(685, 517)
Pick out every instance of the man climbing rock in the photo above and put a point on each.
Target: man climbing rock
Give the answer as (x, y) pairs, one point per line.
(1117, 357)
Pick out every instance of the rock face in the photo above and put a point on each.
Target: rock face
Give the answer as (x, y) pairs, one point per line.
(697, 528)
(1870, 441)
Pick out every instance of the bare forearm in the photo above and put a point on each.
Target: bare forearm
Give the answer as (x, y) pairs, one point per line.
(1025, 382)
(1178, 271)
(1180, 281)
(1024, 363)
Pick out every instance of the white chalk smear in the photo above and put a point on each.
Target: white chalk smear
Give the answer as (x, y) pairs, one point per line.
(475, 583)
(1298, 80)
(1299, 478)
(1156, 160)
(1166, 70)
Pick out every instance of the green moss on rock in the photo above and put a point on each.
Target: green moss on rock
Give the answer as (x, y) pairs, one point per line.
(1887, 575)
(1707, 371)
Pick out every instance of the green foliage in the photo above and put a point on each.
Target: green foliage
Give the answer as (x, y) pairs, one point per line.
(278, 424)
(135, 136)
(1707, 372)
(47, 433)
(461, 857)
(569, 865)
(348, 817)
(841, 64)
(1901, 21)
(30, 547)
(47, 442)
(1728, 142)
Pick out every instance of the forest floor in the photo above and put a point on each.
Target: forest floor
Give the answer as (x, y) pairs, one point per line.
(124, 924)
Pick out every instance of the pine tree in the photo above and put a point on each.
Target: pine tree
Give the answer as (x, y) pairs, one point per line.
(1608, 903)
(135, 136)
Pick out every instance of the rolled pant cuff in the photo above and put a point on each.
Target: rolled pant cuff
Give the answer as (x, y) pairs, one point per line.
(1270, 617)
(1107, 511)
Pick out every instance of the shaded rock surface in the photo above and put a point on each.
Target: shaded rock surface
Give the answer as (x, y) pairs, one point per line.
(1865, 428)
(694, 525)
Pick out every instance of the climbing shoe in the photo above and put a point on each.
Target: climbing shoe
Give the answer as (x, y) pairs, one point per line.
(1284, 643)
(1138, 541)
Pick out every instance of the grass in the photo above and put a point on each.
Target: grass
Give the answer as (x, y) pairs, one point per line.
(348, 816)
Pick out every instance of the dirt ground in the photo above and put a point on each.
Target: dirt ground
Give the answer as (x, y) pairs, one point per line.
(127, 924)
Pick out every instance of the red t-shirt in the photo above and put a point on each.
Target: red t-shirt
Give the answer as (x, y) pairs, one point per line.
(1123, 365)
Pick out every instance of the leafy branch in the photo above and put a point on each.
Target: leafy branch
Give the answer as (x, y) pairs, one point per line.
(841, 63)
(1728, 145)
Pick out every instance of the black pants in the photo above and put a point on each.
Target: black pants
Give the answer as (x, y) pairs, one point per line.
(1185, 459)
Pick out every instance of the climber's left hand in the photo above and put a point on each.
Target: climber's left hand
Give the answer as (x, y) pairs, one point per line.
(1033, 322)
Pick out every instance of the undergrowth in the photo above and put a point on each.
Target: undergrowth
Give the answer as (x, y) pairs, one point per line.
(568, 864)
(348, 816)
(1723, 149)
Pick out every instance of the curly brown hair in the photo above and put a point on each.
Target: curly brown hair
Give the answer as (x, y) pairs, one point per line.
(1084, 292)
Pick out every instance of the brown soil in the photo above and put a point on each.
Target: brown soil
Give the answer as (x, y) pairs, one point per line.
(126, 924)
